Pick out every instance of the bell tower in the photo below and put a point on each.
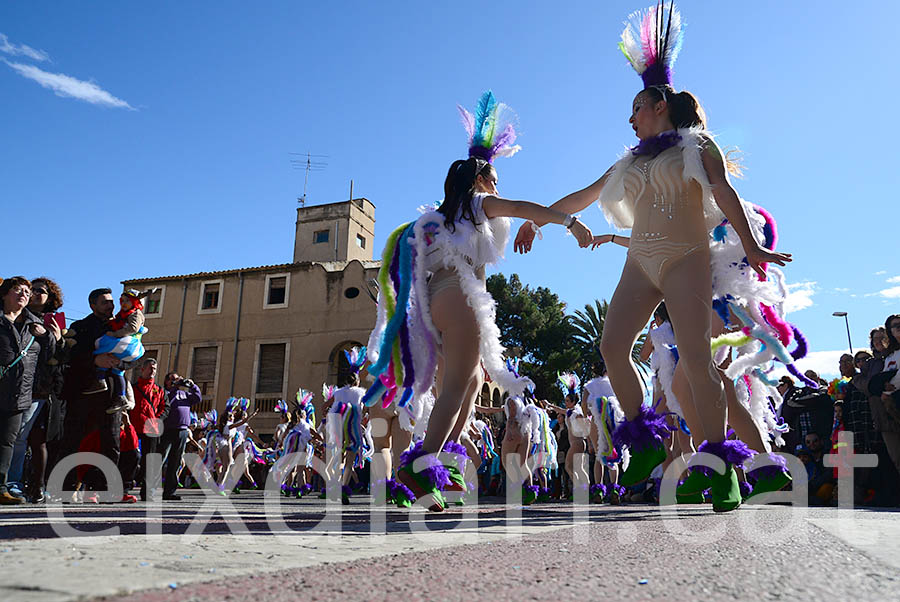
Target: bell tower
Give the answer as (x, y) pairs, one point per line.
(335, 232)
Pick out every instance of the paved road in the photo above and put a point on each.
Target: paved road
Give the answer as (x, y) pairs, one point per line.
(493, 551)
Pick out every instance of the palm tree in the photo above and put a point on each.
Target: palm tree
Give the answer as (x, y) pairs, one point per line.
(588, 326)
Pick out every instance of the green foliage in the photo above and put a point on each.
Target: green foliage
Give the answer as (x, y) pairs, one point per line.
(534, 327)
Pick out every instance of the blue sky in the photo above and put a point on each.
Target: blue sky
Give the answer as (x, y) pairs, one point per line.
(154, 139)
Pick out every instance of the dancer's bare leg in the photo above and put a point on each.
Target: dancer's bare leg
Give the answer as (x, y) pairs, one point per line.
(629, 311)
(467, 407)
(455, 320)
(688, 290)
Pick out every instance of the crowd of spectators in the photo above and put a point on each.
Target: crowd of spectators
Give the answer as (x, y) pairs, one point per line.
(49, 410)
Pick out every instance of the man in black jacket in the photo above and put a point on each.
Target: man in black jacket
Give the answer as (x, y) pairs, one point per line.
(24, 344)
(85, 413)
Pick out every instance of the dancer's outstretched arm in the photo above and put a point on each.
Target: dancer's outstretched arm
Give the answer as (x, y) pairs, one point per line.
(496, 207)
(602, 239)
(728, 201)
(568, 204)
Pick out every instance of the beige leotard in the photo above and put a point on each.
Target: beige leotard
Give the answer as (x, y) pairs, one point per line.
(668, 215)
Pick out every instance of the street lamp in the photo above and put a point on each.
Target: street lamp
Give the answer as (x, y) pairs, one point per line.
(843, 314)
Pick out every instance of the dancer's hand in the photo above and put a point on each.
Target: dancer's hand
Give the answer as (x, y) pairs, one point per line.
(759, 255)
(524, 238)
(601, 240)
(581, 233)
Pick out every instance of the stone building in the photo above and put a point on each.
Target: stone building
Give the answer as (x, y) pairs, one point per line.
(263, 332)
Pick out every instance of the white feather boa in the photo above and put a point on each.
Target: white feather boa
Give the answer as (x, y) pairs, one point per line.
(662, 363)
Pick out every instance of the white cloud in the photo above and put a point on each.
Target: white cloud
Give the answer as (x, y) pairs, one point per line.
(894, 280)
(881, 272)
(64, 85)
(842, 290)
(22, 50)
(799, 296)
(824, 363)
(890, 293)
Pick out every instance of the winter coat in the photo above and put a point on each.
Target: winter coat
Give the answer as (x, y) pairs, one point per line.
(17, 385)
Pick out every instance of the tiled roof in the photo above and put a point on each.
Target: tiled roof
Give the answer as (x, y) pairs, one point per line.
(329, 266)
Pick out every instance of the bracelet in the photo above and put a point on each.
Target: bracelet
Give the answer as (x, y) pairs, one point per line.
(536, 229)
(569, 221)
(613, 239)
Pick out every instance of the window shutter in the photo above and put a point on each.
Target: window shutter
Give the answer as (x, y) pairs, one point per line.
(270, 378)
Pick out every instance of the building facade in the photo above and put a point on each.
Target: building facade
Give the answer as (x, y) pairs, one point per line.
(263, 332)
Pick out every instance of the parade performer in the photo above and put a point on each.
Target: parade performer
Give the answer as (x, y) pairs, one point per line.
(671, 189)
(347, 435)
(579, 429)
(289, 471)
(605, 412)
(432, 296)
(522, 429)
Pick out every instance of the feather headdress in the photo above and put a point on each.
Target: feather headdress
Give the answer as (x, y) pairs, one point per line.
(356, 357)
(569, 382)
(328, 391)
(281, 406)
(491, 130)
(651, 42)
(212, 416)
(512, 364)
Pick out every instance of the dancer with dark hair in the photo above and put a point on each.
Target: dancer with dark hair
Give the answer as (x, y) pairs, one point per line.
(433, 300)
(671, 189)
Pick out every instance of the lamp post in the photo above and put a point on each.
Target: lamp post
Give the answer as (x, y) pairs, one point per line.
(843, 314)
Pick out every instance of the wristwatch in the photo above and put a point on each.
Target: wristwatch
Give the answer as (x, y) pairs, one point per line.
(569, 221)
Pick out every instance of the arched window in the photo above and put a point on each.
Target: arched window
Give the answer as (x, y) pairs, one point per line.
(485, 398)
(339, 367)
(498, 401)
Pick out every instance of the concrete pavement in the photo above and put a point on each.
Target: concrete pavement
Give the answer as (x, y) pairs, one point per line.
(168, 551)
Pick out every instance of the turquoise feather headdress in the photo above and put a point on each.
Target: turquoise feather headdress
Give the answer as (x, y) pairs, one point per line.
(492, 130)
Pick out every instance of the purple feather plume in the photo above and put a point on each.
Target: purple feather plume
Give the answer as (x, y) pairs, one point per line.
(768, 471)
(647, 429)
(434, 472)
(746, 489)
(731, 451)
(468, 121)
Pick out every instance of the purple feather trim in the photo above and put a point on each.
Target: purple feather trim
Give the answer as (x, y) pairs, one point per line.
(395, 488)
(802, 346)
(657, 144)
(598, 488)
(771, 470)
(481, 152)
(802, 377)
(458, 451)
(434, 472)
(532, 488)
(645, 430)
(746, 488)
(657, 74)
(345, 490)
(615, 487)
(731, 451)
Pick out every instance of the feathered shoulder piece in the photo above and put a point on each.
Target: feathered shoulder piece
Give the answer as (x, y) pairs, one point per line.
(651, 42)
(356, 357)
(491, 130)
(569, 382)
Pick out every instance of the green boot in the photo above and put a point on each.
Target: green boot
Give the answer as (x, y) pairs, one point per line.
(696, 482)
(771, 477)
(643, 437)
(725, 490)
